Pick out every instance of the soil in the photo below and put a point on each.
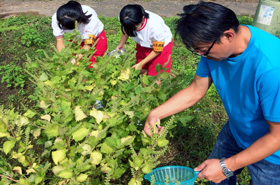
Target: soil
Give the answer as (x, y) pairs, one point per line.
(111, 8)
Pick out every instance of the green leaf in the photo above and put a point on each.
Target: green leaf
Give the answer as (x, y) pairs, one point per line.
(57, 169)
(29, 114)
(124, 74)
(48, 144)
(133, 181)
(58, 156)
(118, 173)
(38, 179)
(80, 134)
(162, 95)
(148, 167)
(86, 149)
(22, 121)
(132, 127)
(129, 113)
(37, 133)
(138, 161)
(66, 174)
(3, 126)
(46, 117)
(8, 145)
(79, 114)
(105, 148)
(56, 79)
(4, 134)
(43, 105)
(96, 157)
(145, 151)
(127, 140)
(98, 115)
(159, 67)
(23, 182)
(185, 119)
(18, 169)
(43, 77)
(145, 80)
(52, 130)
(162, 142)
(164, 75)
(105, 168)
(49, 83)
(82, 177)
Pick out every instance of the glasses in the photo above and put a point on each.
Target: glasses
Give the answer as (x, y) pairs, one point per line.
(206, 52)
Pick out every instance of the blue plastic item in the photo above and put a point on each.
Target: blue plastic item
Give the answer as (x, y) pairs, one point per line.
(184, 174)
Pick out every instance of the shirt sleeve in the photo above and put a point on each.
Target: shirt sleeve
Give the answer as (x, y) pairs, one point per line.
(57, 32)
(269, 92)
(94, 27)
(157, 32)
(203, 68)
(158, 37)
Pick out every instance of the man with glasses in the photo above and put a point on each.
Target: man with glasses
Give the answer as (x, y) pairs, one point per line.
(243, 62)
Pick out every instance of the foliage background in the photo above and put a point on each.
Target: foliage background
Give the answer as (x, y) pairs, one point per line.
(191, 139)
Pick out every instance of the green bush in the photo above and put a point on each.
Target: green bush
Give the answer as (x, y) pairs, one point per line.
(64, 92)
(68, 138)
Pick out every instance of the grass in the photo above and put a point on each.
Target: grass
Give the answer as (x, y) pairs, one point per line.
(190, 144)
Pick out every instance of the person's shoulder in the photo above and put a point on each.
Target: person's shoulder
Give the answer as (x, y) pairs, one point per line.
(255, 31)
(54, 18)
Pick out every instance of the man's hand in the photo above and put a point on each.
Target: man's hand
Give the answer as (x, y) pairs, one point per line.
(152, 124)
(211, 170)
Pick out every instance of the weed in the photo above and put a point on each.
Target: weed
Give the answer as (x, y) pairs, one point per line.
(13, 75)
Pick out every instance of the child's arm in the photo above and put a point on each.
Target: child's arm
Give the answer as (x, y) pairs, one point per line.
(59, 44)
(158, 47)
(122, 42)
(148, 58)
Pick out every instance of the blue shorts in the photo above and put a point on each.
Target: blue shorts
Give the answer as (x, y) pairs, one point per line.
(262, 172)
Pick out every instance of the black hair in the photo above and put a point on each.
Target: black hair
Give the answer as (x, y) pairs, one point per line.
(68, 13)
(132, 15)
(205, 22)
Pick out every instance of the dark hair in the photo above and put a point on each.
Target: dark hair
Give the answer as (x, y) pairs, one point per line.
(130, 16)
(205, 22)
(68, 13)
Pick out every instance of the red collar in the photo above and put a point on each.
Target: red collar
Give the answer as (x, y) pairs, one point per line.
(143, 25)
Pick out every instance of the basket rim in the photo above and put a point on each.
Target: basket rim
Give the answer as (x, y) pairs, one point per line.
(148, 176)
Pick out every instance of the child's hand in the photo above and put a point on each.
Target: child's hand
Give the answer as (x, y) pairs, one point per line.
(120, 47)
(137, 66)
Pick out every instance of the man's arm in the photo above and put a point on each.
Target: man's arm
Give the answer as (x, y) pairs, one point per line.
(260, 149)
(179, 102)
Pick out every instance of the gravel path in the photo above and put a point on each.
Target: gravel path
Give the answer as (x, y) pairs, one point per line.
(111, 8)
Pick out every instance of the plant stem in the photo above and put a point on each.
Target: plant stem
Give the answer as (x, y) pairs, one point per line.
(8, 178)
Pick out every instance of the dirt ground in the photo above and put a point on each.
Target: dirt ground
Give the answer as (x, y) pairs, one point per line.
(111, 8)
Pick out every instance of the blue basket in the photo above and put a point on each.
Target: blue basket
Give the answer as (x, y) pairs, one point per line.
(184, 174)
